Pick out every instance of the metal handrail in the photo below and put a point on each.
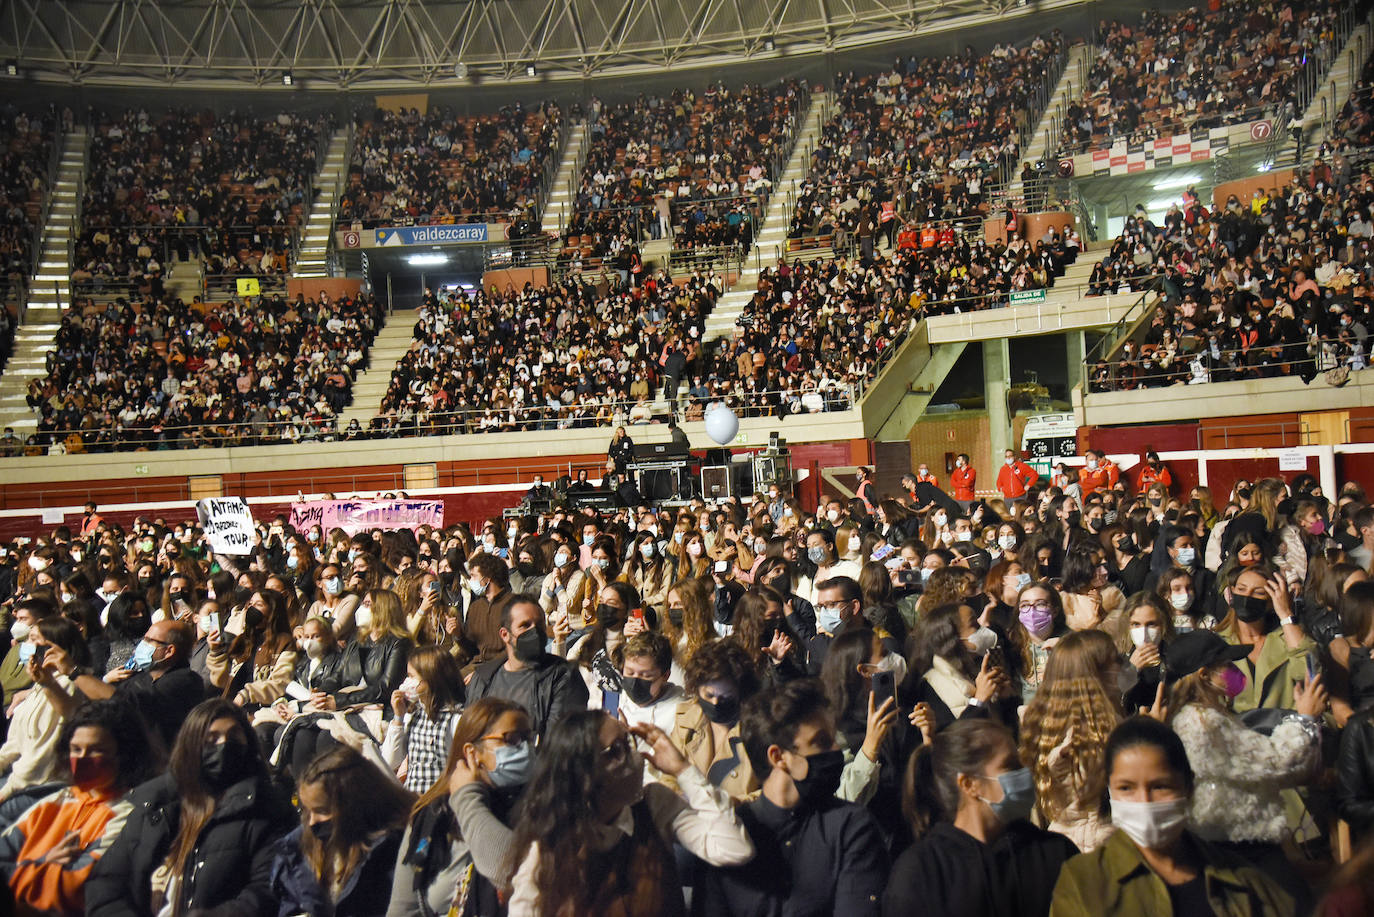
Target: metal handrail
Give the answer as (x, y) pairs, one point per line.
(1311, 347)
(1105, 345)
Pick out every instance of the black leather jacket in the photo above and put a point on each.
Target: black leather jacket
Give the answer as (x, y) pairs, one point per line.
(1355, 773)
(380, 667)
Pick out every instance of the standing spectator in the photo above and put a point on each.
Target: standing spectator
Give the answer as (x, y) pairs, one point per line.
(1014, 477)
(621, 450)
(963, 479)
(816, 854)
(1153, 866)
(544, 684)
(1093, 476)
(1154, 472)
(489, 580)
(969, 799)
(866, 491)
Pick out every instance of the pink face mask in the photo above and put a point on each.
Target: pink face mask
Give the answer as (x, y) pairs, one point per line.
(1233, 681)
(1318, 526)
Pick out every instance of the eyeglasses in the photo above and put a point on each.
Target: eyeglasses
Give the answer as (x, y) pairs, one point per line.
(514, 737)
(1038, 606)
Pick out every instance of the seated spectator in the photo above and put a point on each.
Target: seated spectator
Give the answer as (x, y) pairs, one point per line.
(340, 859)
(427, 707)
(540, 682)
(48, 854)
(593, 835)
(205, 829)
(816, 854)
(459, 835)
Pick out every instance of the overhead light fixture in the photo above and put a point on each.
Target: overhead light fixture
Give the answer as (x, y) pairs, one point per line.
(1162, 203)
(287, 79)
(427, 259)
(460, 70)
(11, 68)
(1264, 167)
(531, 70)
(1169, 184)
(769, 45)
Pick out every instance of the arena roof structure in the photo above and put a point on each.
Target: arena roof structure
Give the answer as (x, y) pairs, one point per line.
(369, 44)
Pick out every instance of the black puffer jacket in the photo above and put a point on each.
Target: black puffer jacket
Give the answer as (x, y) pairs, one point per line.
(230, 866)
(1355, 772)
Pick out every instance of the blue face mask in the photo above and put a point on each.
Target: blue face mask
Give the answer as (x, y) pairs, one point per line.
(292, 561)
(1186, 556)
(352, 554)
(142, 659)
(1018, 796)
(827, 619)
(588, 539)
(513, 766)
(1022, 581)
(26, 651)
(560, 560)
(333, 585)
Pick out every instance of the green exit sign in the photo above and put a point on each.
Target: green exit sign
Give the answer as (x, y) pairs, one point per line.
(1027, 297)
(140, 469)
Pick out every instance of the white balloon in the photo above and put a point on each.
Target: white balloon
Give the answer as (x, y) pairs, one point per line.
(722, 425)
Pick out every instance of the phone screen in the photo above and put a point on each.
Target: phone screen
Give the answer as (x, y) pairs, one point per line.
(884, 686)
(610, 702)
(722, 566)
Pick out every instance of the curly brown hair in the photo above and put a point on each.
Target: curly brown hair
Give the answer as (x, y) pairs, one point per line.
(1071, 699)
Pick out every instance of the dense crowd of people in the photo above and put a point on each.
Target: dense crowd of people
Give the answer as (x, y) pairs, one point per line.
(190, 184)
(165, 374)
(26, 148)
(1170, 72)
(412, 167)
(817, 332)
(927, 136)
(1279, 285)
(693, 167)
(1101, 696)
(555, 357)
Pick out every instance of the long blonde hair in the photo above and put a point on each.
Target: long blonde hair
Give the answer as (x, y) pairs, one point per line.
(1072, 696)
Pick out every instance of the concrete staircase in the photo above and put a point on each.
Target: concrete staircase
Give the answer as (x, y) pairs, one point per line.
(50, 292)
(1044, 139)
(313, 258)
(559, 197)
(772, 236)
(391, 344)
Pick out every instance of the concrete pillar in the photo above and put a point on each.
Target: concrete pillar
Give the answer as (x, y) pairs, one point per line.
(996, 381)
(1074, 347)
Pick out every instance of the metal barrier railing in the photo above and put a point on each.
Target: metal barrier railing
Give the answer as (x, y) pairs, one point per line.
(1305, 356)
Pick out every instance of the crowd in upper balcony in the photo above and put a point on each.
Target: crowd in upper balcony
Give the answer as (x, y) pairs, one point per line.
(929, 135)
(190, 184)
(26, 147)
(165, 374)
(552, 357)
(1279, 285)
(411, 167)
(695, 167)
(1168, 72)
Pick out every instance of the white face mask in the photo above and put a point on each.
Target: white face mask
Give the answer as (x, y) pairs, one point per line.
(963, 536)
(1092, 464)
(940, 518)
(833, 515)
(1155, 825)
(855, 543)
(647, 550)
(1181, 600)
(982, 640)
(694, 549)
(1144, 634)
(363, 618)
(1006, 542)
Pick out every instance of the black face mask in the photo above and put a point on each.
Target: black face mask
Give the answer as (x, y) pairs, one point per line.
(1073, 518)
(766, 638)
(225, 764)
(1127, 546)
(526, 568)
(1249, 608)
(181, 595)
(529, 646)
(323, 830)
(145, 581)
(724, 711)
(822, 778)
(675, 615)
(609, 616)
(639, 690)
